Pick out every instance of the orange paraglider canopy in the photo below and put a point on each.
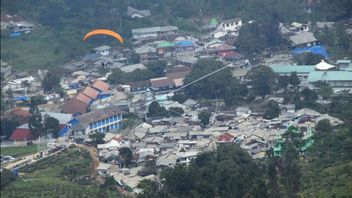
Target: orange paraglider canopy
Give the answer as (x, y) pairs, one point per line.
(105, 32)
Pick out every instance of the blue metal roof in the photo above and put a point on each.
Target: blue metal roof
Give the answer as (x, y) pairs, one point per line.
(184, 44)
(317, 49)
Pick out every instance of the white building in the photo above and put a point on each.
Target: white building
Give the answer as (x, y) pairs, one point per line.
(151, 32)
(103, 50)
(231, 25)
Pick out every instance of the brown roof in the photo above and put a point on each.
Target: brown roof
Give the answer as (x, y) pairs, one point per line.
(74, 105)
(161, 82)
(83, 98)
(101, 85)
(90, 92)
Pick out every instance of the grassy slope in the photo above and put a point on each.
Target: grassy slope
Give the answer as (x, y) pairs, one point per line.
(334, 181)
(37, 50)
(44, 179)
(16, 151)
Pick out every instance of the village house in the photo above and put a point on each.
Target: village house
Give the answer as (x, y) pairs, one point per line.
(143, 33)
(134, 13)
(101, 120)
(103, 50)
(6, 70)
(302, 71)
(230, 25)
(140, 86)
(164, 47)
(336, 79)
(131, 68)
(162, 84)
(146, 53)
(344, 64)
(306, 39)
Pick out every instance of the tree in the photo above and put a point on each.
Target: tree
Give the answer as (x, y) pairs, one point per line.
(8, 126)
(51, 81)
(283, 81)
(51, 126)
(157, 67)
(291, 170)
(117, 77)
(37, 100)
(135, 58)
(35, 122)
(262, 78)
(204, 117)
(272, 110)
(97, 138)
(235, 92)
(176, 111)
(179, 97)
(294, 80)
(126, 156)
(310, 96)
(308, 58)
(148, 169)
(7, 177)
(324, 126)
(325, 91)
(251, 39)
(213, 86)
(155, 110)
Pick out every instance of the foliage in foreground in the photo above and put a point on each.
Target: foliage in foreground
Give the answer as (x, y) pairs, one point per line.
(62, 175)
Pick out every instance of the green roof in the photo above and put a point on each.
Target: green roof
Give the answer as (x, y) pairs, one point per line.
(330, 76)
(213, 21)
(287, 69)
(166, 44)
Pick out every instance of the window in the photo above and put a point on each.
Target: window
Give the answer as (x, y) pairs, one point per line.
(111, 119)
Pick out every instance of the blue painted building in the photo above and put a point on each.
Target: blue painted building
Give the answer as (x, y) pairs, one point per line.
(101, 120)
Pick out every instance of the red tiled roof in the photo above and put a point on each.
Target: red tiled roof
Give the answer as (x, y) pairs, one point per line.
(101, 85)
(90, 92)
(226, 137)
(21, 135)
(74, 105)
(83, 98)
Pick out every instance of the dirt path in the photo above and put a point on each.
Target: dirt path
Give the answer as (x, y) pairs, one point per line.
(95, 160)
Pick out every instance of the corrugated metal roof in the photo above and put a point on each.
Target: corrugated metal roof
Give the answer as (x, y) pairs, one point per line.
(282, 68)
(330, 76)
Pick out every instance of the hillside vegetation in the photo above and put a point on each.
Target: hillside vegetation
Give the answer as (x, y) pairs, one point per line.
(63, 22)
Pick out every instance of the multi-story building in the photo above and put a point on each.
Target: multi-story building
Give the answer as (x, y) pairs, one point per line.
(142, 33)
(101, 120)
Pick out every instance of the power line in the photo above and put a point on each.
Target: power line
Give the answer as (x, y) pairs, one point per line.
(190, 83)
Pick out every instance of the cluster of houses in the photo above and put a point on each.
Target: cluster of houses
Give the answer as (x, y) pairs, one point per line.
(16, 25)
(338, 75)
(178, 140)
(90, 104)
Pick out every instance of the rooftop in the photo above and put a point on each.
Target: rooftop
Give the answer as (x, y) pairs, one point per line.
(303, 38)
(284, 68)
(154, 29)
(330, 76)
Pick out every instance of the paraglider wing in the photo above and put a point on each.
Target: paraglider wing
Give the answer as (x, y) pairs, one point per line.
(104, 32)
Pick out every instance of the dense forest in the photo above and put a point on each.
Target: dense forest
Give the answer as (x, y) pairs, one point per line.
(64, 22)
